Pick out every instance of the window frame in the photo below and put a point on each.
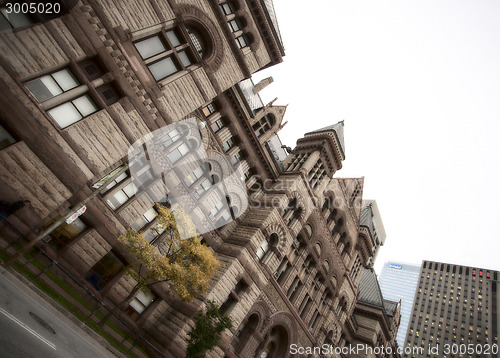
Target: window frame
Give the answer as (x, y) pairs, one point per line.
(108, 278)
(83, 91)
(178, 52)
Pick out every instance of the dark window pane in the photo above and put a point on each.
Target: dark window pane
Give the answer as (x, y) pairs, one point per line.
(104, 270)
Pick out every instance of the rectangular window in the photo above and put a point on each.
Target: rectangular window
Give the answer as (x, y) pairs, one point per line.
(217, 125)
(241, 42)
(104, 270)
(194, 176)
(227, 8)
(120, 196)
(163, 68)
(203, 187)
(117, 180)
(227, 145)
(215, 210)
(71, 112)
(146, 218)
(70, 108)
(149, 47)
(208, 109)
(234, 25)
(54, 84)
(235, 159)
(178, 152)
(165, 53)
(139, 303)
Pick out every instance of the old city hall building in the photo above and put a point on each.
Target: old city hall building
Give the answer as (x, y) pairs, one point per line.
(80, 87)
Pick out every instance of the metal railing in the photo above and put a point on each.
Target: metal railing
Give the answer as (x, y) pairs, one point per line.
(132, 332)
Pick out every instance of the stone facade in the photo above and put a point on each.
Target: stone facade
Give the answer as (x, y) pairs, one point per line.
(81, 88)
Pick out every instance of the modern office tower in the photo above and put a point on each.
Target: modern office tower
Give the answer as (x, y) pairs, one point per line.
(398, 282)
(455, 312)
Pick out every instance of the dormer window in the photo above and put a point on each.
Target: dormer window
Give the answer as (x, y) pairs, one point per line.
(264, 124)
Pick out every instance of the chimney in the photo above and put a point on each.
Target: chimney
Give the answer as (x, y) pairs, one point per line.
(262, 84)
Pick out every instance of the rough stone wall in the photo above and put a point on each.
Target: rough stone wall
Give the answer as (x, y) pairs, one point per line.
(86, 251)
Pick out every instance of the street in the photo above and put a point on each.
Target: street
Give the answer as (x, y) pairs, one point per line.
(30, 327)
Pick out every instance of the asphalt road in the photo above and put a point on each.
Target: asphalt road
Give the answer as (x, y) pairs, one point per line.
(30, 327)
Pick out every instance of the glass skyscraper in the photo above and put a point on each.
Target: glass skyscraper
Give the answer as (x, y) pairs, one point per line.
(398, 281)
(455, 311)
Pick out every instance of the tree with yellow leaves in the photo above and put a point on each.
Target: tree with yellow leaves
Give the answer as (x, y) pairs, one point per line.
(186, 265)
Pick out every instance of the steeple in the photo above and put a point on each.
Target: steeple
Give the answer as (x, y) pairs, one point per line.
(319, 154)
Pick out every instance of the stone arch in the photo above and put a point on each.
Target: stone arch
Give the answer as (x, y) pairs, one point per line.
(276, 343)
(193, 16)
(255, 322)
(278, 229)
(287, 323)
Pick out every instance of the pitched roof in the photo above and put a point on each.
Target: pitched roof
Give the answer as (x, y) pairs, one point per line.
(370, 293)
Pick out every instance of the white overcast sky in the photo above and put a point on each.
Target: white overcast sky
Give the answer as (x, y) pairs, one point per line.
(418, 85)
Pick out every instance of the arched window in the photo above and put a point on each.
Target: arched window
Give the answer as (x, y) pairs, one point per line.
(342, 307)
(317, 249)
(338, 226)
(271, 241)
(276, 346)
(346, 249)
(325, 206)
(264, 124)
(341, 242)
(198, 41)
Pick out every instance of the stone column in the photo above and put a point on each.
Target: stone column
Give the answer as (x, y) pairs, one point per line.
(309, 164)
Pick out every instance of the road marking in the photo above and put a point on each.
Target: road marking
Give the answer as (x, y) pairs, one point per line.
(28, 329)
